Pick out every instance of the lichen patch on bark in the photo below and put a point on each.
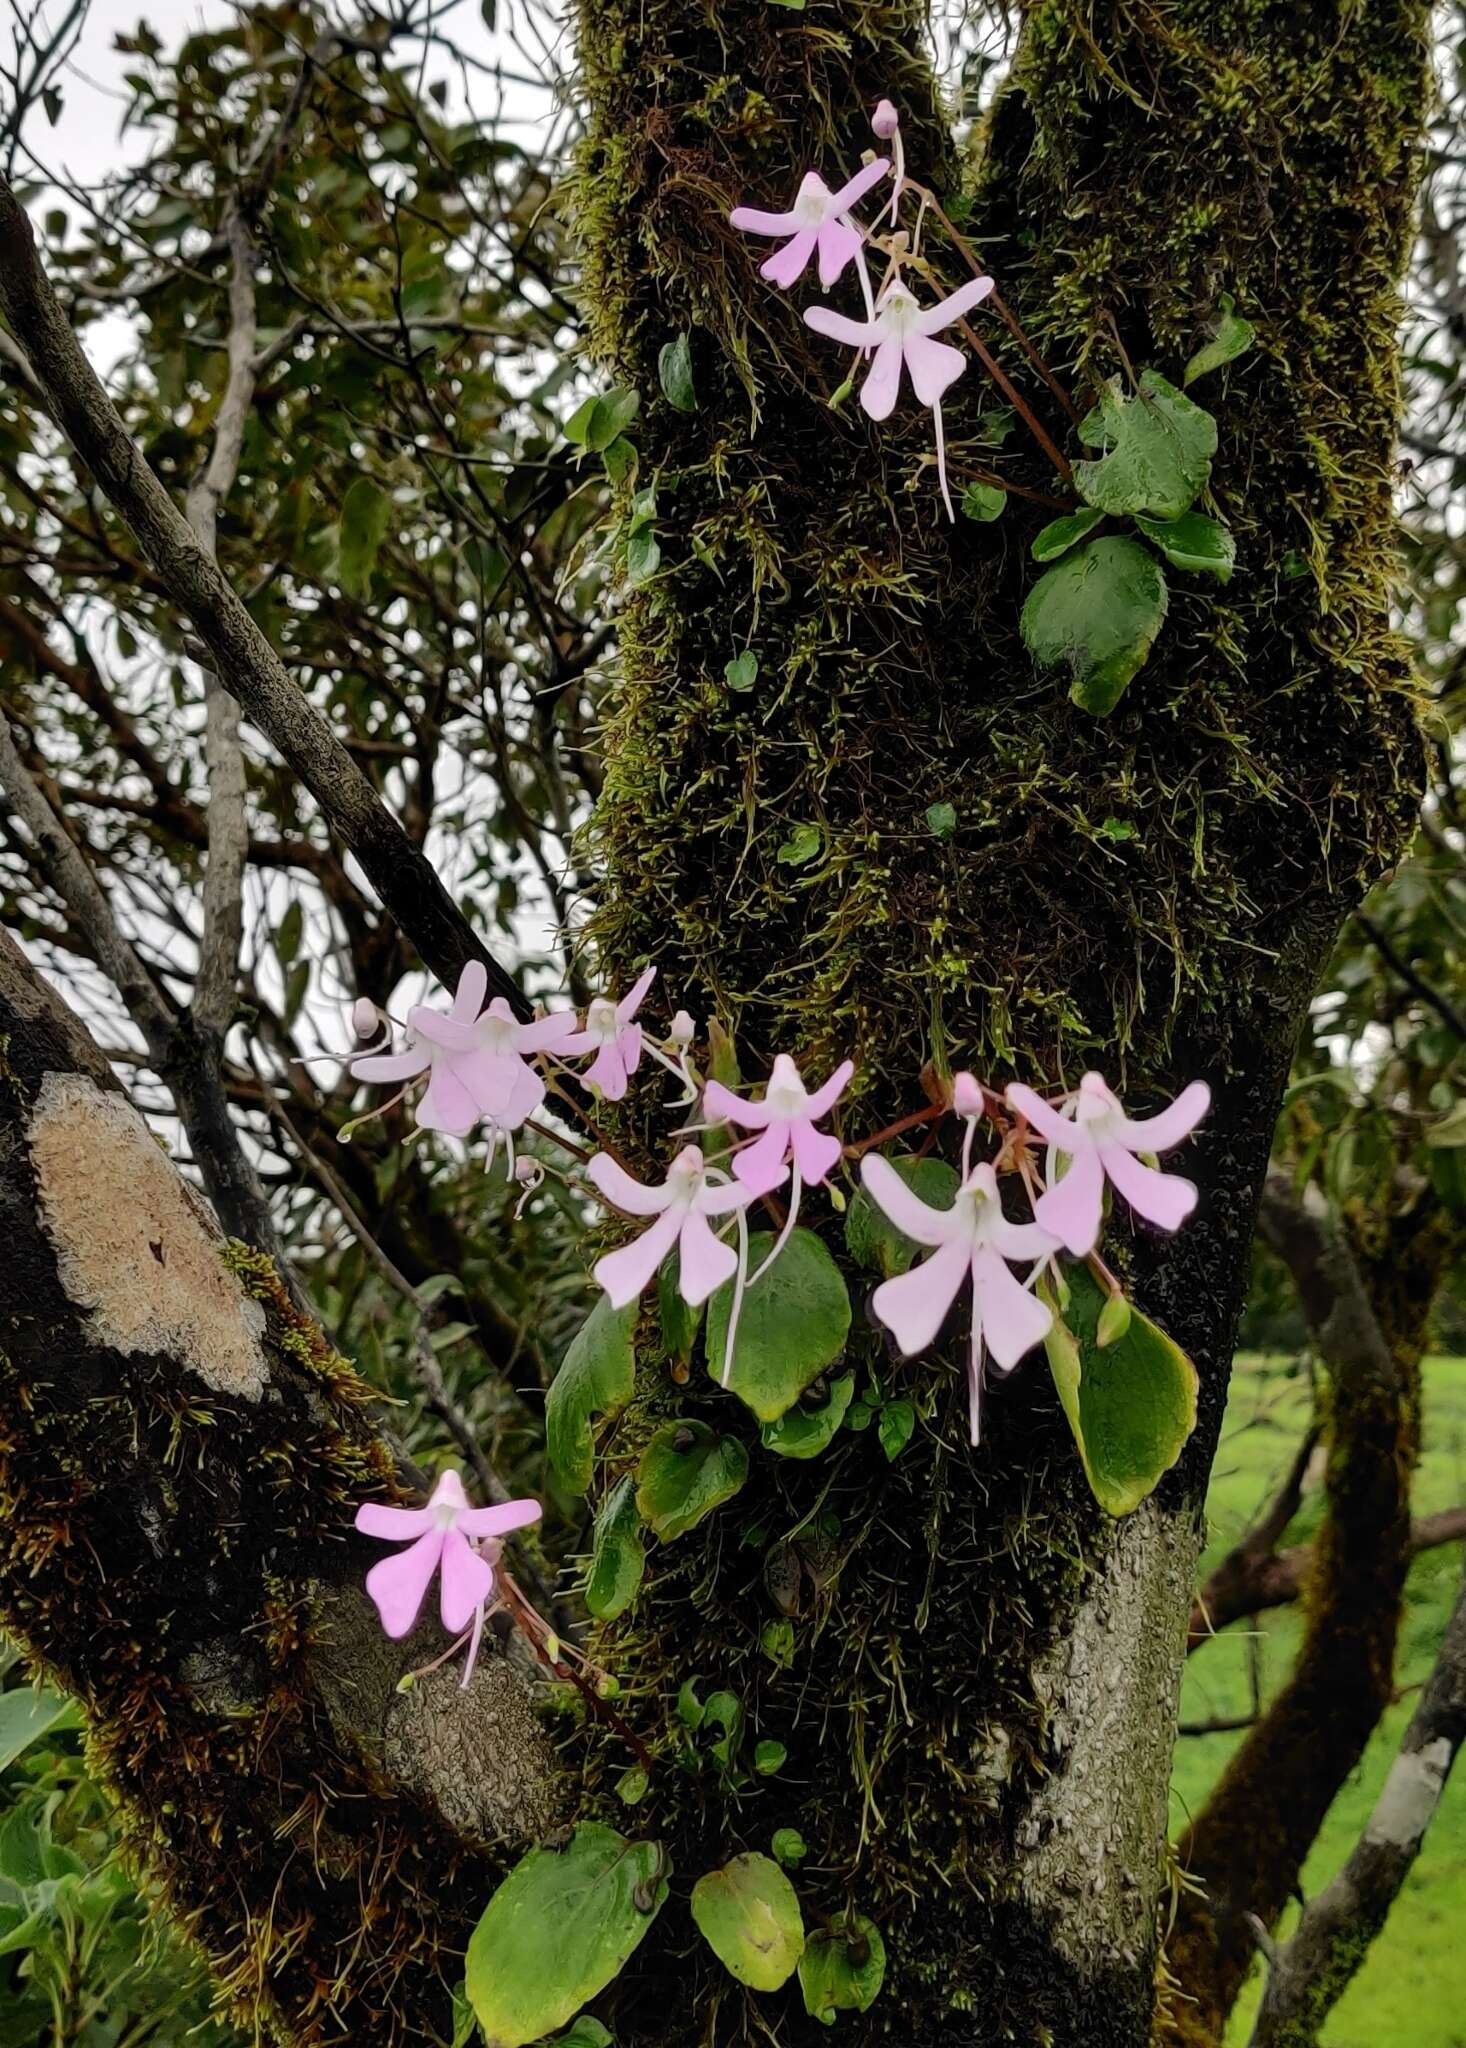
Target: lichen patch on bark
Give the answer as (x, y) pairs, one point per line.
(135, 1249)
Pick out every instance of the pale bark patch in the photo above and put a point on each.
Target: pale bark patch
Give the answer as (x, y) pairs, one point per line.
(1411, 1794)
(135, 1249)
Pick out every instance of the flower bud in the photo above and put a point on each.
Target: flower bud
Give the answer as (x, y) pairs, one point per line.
(967, 1095)
(683, 1030)
(885, 120)
(364, 1017)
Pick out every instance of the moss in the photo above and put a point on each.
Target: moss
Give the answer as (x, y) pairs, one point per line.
(1137, 166)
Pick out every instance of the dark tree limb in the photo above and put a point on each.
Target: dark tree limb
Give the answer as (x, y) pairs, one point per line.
(1309, 1974)
(181, 1455)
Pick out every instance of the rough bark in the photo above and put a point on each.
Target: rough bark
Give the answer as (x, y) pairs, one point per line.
(181, 1454)
(984, 1668)
(1367, 1313)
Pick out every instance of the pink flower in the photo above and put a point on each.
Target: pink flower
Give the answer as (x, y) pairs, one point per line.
(901, 333)
(818, 220)
(1100, 1142)
(682, 1206)
(971, 1239)
(475, 1060)
(787, 1117)
(440, 1538)
(885, 120)
(613, 1037)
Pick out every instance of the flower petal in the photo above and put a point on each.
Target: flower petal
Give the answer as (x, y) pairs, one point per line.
(840, 327)
(721, 1198)
(393, 1525)
(913, 1217)
(466, 1583)
(705, 1262)
(1169, 1126)
(933, 366)
(547, 1034)
(1054, 1129)
(914, 1305)
(449, 1034)
(838, 244)
(498, 1521)
(624, 1274)
(760, 1166)
(1165, 1199)
(1012, 1319)
(882, 386)
(622, 1191)
(854, 189)
(504, 1087)
(816, 1153)
(390, 1066)
(635, 996)
(446, 1104)
(721, 1106)
(398, 1584)
(824, 1098)
(473, 986)
(787, 265)
(1022, 1240)
(754, 221)
(607, 1071)
(1073, 1208)
(953, 307)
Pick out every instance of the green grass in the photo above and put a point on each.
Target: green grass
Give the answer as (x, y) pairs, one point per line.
(1411, 1992)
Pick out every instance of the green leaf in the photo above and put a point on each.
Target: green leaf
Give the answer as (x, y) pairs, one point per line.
(941, 820)
(742, 672)
(558, 1929)
(1098, 612)
(631, 1786)
(643, 557)
(1060, 534)
(617, 1558)
(789, 1845)
(1131, 1405)
(679, 1322)
(897, 1423)
(22, 1848)
(769, 1757)
(776, 1640)
(800, 847)
(805, 1432)
(597, 423)
(620, 460)
(724, 1710)
(1114, 1321)
(586, 2033)
(983, 502)
(26, 1714)
(288, 932)
(686, 1471)
(1193, 542)
(689, 1706)
(1234, 337)
(749, 1916)
(792, 1325)
(674, 373)
(595, 1378)
(365, 512)
(842, 1970)
(876, 1243)
(794, 6)
(1159, 446)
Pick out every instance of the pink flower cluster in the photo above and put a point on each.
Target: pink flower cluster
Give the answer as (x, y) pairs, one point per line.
(897, 331)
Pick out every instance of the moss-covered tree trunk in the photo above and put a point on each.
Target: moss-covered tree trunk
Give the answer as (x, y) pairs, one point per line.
(979, 1704)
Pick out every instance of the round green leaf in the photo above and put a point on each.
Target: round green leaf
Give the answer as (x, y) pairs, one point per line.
(1193, 542)
(793, 1324)
(595, 1377)
(1131, 1405)
(1159, 445)
(789, 1845)
(800, 847)
(941, 820)
(843, 1970)
(749, 1916)
(617, 1559)
(872, 1240)
(983, 502)
(1234, 337)
(674, 373)
(741, 673)
(804, 1432)
(769, 1757)
(898, 1421)
(1060, 534)
(558, 1929)
(1098, 611)
(686, 1471)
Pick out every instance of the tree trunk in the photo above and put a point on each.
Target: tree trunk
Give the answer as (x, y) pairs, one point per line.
(979, 1709)
(181, 1455)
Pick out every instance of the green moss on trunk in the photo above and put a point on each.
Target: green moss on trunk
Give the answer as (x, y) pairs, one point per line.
(1265, 762)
